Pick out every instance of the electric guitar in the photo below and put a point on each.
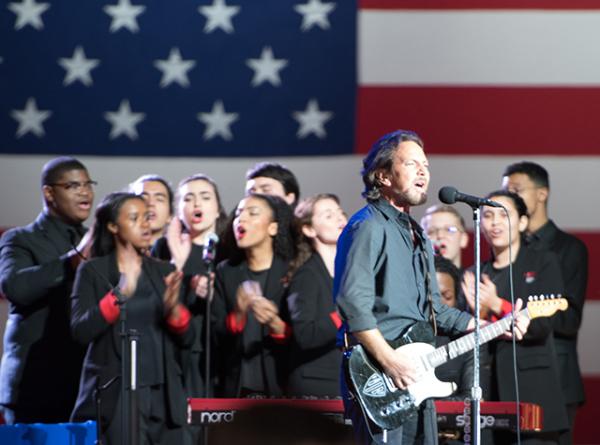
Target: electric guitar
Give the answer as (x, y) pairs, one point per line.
(388, 406)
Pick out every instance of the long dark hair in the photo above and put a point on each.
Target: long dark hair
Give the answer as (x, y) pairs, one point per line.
(221, 223)
(284, 241)
(303, 217)
(103, 241)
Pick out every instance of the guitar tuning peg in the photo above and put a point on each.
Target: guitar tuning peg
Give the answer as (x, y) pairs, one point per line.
(542, 297)
(530, 298)
(552, 296)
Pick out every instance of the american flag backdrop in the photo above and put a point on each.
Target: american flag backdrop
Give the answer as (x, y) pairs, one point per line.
(183, 86)
(182, 78)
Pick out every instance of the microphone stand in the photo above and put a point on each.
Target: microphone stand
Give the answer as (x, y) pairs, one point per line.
(98, 401)
(134, 415)
(210, 267)
(129, 405)
(476, 389)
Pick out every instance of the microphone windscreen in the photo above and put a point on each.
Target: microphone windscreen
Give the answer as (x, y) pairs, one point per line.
(447, 195)
(212, 237)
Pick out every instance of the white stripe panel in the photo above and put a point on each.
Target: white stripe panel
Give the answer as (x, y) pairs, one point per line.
(587, 345)
(479, 47)
(575, 180)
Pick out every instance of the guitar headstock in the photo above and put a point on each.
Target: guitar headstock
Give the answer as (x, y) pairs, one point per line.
(545, 305)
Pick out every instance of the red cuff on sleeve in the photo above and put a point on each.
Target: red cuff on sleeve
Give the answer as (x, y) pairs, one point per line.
(282, 338)
(232, 324)
(505, 309)
(179, 320)
(109, 308)
(335, 317)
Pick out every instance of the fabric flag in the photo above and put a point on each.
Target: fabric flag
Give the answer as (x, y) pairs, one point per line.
(162, 86)
(192, 78)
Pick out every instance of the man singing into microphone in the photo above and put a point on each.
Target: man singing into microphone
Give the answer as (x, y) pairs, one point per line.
(39, 373)
(385, 277)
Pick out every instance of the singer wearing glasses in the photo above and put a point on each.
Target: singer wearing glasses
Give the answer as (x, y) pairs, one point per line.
(249, 306)
(445, 227)
(151, 291)
(41, 363)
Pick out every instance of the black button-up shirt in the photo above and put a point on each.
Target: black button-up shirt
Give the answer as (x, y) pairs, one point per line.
(380, 274)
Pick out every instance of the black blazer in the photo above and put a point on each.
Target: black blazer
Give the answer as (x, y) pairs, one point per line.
(232, 347)
(535, 273)
(573, 256)
(41, 362)
(193, 359)
(103, 358)
(315, 359)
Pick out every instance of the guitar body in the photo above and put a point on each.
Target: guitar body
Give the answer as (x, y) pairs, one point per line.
(381, 401)
(388, 406)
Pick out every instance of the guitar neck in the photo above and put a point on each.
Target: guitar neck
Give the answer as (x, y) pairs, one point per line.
(467, 343)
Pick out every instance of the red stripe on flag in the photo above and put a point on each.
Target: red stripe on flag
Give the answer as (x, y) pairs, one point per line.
(591, 240)
(484, 120)
(478, 4)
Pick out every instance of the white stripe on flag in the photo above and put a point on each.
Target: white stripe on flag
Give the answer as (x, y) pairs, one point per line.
(471, 47)
(574, 180)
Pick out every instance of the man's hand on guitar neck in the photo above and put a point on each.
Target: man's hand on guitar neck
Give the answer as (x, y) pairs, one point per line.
(521, 323)
(395, 364)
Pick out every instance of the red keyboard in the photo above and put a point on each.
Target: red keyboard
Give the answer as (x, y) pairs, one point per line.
(450, 415)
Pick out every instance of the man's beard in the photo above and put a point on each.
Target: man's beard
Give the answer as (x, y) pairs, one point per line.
(408, 199)
(413, 198)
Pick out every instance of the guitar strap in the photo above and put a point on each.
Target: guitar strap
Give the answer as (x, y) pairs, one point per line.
(425, 258)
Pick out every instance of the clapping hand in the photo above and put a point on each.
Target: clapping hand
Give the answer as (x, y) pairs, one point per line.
(246, 292)
(488, 295)
(200, 284)
(179, 242)
(171, 294)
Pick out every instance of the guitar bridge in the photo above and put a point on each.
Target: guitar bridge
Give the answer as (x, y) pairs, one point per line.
(389, 383)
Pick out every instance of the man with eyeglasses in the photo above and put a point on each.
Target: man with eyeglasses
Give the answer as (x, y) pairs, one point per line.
(445, 227)
(41, 364)
(531, 182)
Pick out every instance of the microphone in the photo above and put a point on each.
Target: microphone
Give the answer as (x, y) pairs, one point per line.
(209, 248)
(449, 195)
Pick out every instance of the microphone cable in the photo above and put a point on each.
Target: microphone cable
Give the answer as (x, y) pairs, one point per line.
(513, 327)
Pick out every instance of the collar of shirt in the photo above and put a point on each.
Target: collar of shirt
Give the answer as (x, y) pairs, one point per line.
(402, 218)
(72, 233)
(545, 233)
